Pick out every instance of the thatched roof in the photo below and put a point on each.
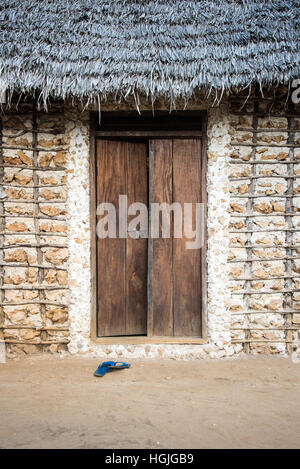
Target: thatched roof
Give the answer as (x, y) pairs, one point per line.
(94, 48)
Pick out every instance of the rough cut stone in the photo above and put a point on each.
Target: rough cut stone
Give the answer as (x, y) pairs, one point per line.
(57, 315)
(59, 158)
(17, 227)
(48, 194)
(274, 305)
(56, 256)
(49, 180)
(45, 160)
(19, 255)
(62, 277)
(21, 179)
(50, 210)
(31, 275)
(260, 273)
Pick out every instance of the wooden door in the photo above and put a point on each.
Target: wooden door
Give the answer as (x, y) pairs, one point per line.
(121, 262)
(174, 272)
(174, 302)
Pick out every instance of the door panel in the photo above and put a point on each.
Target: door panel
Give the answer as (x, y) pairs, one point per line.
(186, 262)
(160, 303)
(121, 263)
(136, 249)
(174, 271)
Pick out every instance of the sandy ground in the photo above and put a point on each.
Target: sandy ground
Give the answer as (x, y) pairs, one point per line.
(244, 403)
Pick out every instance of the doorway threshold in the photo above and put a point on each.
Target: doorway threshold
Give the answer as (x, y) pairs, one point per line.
(139, 340)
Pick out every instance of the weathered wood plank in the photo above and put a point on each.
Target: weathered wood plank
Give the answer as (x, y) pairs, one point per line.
(187, 262)
(136, 249)
(161, 275)
(111, 252)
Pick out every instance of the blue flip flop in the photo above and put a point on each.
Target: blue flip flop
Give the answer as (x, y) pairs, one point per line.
(109, 366)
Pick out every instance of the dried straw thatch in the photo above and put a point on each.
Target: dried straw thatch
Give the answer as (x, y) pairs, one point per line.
(94, 48)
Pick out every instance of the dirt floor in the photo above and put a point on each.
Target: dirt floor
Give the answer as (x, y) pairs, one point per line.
(241, 403)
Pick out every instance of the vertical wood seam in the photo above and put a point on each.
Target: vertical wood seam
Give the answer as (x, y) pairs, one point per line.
(150, 243)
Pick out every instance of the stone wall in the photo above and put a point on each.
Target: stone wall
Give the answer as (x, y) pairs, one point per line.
(252, 232)
(265, 219)
(34, 242)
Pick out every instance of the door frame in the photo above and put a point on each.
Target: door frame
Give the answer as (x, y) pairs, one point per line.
(94, 134)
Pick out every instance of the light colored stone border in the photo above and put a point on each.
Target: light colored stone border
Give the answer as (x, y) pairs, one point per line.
(77, 128)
